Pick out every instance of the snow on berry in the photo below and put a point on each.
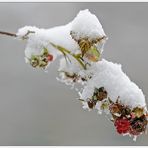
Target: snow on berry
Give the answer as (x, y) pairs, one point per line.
(125, 101)
(117, 84)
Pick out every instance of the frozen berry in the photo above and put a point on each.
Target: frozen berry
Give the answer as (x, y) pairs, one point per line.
(50, 57)
(122, 125)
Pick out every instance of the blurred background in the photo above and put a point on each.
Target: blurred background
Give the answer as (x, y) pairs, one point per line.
(37, 110)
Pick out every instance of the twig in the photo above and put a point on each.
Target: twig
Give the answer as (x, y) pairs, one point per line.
(8, 34)
(14, 35)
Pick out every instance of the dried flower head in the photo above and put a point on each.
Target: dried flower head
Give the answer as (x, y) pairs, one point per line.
(115, 109)
(138, 125)
(42, 60)
(104, 105)
(91, 103)
(100, 93)
(86, 43)
(138, 111)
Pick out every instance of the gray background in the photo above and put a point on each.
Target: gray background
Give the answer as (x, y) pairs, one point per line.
(35, 109)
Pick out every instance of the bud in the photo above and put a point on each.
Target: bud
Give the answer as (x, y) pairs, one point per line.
(34, 61)
(50, 57)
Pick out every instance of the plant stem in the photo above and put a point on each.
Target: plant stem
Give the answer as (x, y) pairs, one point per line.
(63, 50)
(8, 34)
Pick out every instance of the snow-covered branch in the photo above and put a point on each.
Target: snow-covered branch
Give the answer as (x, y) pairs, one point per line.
(104, 86)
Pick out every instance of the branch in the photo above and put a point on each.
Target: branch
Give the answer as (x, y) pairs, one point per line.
(14, 35)
(8, 34)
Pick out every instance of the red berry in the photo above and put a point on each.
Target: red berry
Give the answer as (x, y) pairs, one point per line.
(50, 57)
(122, 125)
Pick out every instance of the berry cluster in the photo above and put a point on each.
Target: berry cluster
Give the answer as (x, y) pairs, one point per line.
(42, 60)
(126, 120)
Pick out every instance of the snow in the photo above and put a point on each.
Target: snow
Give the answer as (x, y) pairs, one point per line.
(71, 66)
(42, 38)
(105, 74)
(110, 76)
(87, 25)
